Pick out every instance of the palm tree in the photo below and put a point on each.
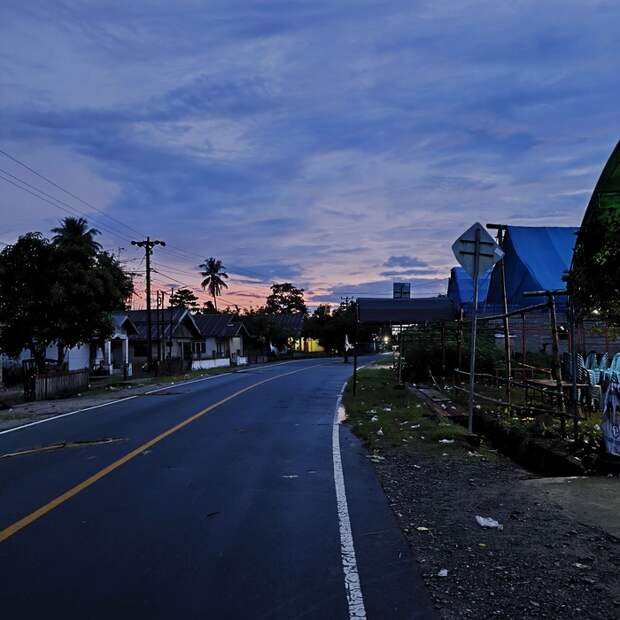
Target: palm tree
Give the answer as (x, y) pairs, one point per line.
(214, 276)
(74, 233)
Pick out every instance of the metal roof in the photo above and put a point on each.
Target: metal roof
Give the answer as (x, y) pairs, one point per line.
(219, 325)
(383, 310)
(170, 318)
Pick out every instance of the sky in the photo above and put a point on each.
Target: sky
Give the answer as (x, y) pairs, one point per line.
(339, 145)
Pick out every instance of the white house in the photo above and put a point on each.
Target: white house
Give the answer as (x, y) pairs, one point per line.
(112, 355)
(221, 342)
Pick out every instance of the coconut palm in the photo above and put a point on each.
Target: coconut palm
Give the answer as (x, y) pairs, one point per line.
(214, 276)
(74, 234)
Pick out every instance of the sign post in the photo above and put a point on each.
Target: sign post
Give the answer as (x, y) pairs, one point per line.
(477, 252)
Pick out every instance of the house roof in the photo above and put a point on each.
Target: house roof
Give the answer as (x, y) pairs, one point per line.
(461, 287)
(122, 320)
(171, 318)
(385, 310)
(219, 325)
(292, 323)
(536, 258)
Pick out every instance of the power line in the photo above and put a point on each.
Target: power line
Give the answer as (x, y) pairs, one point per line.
(71, 209)
(66, 191)
(68, 208)
(64, 206)
(85, 202)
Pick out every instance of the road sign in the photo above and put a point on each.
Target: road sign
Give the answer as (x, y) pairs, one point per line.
(477, 252)
(464, 249)
(402, 290)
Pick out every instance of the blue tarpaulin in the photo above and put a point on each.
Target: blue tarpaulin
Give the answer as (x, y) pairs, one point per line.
(536, 259)
(461, 288)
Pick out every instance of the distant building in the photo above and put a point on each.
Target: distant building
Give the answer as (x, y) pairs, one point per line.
(293, 325)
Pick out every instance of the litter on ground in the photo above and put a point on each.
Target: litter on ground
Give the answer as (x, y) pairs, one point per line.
(443, 572)
(489, 522)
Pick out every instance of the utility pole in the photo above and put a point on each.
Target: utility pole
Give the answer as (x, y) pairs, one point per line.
(148, 244)
(163, 324)
(158, 328)
(171, 321)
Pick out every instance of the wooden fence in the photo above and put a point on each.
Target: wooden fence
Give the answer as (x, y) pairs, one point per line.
(55, 385)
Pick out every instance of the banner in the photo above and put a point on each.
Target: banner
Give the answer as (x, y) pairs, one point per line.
(611, 419)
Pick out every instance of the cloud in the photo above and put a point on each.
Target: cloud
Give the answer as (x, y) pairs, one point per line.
(404, 261)
(417, 271)
(308, 141)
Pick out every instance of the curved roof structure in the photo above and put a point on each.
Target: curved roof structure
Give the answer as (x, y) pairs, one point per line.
(461, 287)
(606, 193)
(594, 278)
(537, 258)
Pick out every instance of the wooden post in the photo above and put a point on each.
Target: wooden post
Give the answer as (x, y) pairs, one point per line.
(400, 355)
(355, 359)
(557, 367)
(573, 355)
(500, 240)
(459, 341)
(443, 353)
(523, 339)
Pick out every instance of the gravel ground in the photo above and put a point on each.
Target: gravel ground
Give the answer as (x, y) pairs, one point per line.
(543, 564)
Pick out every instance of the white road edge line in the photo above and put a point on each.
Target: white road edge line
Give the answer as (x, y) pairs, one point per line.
(352, 585)
(121, 400)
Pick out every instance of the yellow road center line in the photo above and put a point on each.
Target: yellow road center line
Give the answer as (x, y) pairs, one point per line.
(43, 510)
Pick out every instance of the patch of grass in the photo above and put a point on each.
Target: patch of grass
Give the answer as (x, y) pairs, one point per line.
(401, 417)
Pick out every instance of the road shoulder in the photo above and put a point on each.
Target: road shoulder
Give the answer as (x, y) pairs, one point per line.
(543, 562)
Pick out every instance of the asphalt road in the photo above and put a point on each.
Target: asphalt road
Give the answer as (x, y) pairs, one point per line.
(214, 499)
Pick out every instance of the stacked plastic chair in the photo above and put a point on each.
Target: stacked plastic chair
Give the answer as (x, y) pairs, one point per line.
(613, 372)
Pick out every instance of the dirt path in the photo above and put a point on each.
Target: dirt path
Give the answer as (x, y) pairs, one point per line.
(542, 564)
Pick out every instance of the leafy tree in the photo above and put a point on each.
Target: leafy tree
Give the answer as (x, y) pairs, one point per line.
(285, 299)
(61, 291)
(214, 276)
(89, 285)
(264, 329)
(331, 328)
(184, 298)
(208, 308)
(27, 287)
(74, 237)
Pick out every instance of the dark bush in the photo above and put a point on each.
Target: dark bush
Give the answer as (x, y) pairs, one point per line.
(423, 352)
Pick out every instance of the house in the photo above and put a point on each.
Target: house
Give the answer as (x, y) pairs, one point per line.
(173, 332)
(113, 354)
(75, 358)
(292, 325)
(110, 355)
(222, 341)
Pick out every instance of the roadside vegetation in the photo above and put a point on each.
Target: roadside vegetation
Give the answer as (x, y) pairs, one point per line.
(384, 415)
